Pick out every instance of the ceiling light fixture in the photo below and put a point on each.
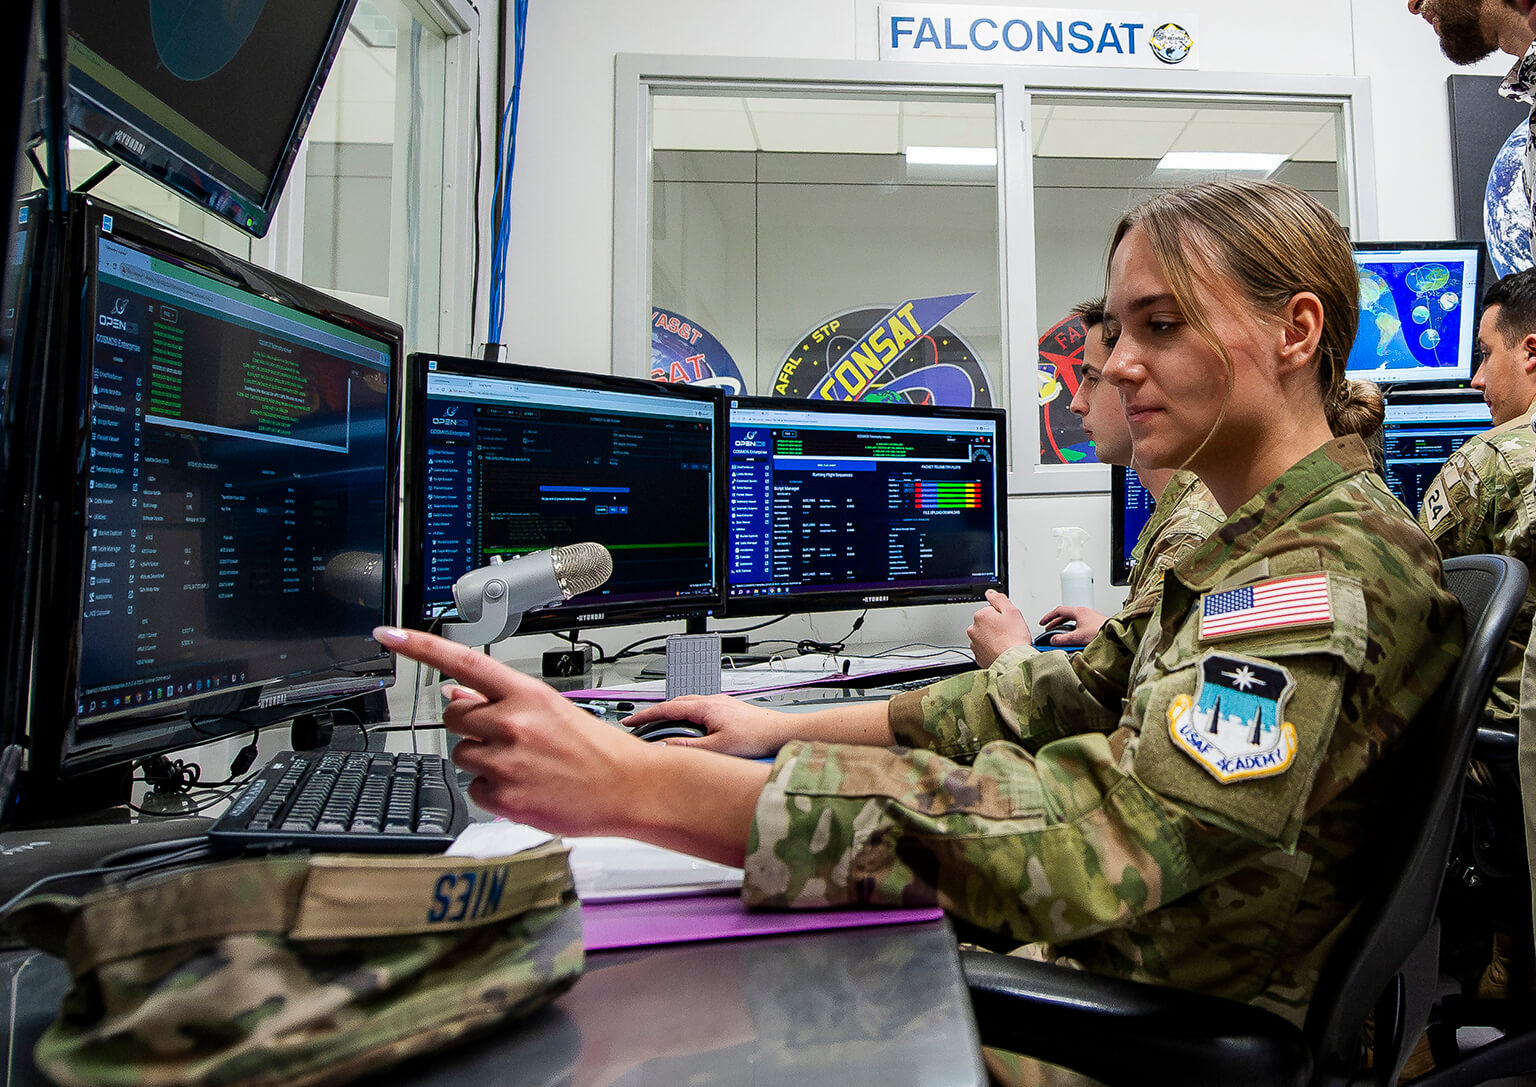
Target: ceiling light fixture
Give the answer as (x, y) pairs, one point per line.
(1262, 163)
(951, 156)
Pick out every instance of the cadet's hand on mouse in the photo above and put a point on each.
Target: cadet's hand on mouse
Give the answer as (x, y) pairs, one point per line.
(1088, 623)
(732, 726)
(536, 758)
(996, 627)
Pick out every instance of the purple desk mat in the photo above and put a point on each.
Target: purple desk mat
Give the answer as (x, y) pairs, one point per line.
(608, 925)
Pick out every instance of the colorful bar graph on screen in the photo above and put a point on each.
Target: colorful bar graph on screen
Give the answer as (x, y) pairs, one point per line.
(946, 495)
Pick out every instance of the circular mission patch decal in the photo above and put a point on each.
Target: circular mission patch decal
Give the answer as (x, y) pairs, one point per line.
(899, 353)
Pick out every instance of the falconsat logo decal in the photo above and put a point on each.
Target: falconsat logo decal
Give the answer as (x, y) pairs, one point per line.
(1171, 43)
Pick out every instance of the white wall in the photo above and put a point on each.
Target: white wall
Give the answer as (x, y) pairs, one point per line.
(558, 291)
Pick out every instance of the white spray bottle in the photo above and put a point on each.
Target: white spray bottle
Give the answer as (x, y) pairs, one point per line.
(1076, 575)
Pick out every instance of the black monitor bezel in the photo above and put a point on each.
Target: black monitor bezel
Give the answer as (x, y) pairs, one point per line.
(827, 599)
(31, 124)
(1483, 269)
(173, 724)
(575, 616)
(182, 173)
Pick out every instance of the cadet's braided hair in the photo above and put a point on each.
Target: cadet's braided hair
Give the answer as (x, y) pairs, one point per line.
(1271, 241)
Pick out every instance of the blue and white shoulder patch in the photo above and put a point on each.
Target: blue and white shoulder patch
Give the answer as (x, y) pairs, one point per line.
(1235, 724)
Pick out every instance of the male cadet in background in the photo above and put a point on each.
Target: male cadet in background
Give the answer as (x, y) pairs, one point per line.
(1482, 503)
(1184, 517)
(1470, 30)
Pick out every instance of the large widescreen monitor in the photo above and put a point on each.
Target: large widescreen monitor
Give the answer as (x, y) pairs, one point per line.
(224, 490)
(209, 99)
(838, 505)
(1418, 312)
(507, 461)
(1420, 434)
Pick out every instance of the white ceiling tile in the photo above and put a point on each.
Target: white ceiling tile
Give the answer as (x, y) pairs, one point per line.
(1122, 111)
(1108, 140)
(1236, 135)
(1323, 147)
(700, 130)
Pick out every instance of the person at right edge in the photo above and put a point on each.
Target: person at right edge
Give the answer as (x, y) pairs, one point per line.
(1200, 809)
(1470, 30)
(1481, 502)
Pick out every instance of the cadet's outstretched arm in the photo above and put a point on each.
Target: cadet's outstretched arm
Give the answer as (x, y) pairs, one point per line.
(540, 760)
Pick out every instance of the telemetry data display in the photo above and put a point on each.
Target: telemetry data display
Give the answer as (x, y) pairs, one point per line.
(238, 500)
(1420, 436)
(870, 504)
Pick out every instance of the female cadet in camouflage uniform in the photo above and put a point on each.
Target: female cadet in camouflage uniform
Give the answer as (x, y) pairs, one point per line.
(1180, 802)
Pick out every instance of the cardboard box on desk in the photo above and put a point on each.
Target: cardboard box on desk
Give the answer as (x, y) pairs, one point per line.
(299, 970)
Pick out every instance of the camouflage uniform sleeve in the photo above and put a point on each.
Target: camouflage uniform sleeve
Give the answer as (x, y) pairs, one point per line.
(1092, 830)
(1460, 510)
(1481, 502)
(1026, 696)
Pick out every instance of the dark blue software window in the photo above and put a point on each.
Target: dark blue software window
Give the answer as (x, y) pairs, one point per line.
(237, 459)
(1420, 434)
(861, 504)
(518, 466)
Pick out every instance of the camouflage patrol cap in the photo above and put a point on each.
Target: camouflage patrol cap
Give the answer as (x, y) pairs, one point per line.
(299, 970)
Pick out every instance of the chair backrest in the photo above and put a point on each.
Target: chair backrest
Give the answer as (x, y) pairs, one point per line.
(1399, 912)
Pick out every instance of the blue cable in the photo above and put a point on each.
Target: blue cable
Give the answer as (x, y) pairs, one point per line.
(493, 320)
(503, 193)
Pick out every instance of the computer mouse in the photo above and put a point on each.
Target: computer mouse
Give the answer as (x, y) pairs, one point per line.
(1043, 639)
(667, 730)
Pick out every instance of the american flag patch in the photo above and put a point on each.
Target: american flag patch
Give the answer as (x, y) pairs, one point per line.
(1285, 602)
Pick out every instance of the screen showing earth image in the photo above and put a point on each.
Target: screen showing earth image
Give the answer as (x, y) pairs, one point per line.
(1418, 313)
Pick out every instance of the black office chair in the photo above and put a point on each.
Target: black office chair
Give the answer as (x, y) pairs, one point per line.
(1126, 1032)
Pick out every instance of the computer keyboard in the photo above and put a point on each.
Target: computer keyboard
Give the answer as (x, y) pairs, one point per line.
(346, 802)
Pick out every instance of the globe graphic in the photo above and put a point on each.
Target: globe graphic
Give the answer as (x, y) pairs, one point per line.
(1506, 211)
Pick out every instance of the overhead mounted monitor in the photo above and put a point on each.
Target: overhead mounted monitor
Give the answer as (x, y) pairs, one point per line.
(1418, 312)
(846, 505)
(209, 99)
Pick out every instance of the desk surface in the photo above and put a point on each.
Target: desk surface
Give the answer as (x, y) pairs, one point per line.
(880, 1006)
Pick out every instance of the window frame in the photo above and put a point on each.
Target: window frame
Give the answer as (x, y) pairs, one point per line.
(282, 250)
(1013, 89)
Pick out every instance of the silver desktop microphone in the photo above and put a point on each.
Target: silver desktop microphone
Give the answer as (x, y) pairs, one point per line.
(493, 598)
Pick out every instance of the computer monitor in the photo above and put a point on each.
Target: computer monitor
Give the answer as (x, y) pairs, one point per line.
(223, 500)
(1420, 434)
(1130, 508)
(510, 460)
(839, 505)
(1418, 312)
(209, 99)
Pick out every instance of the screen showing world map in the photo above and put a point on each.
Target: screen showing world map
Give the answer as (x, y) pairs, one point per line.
(1418, 312)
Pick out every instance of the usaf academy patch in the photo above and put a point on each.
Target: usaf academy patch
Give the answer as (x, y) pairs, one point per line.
(1235, 724)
